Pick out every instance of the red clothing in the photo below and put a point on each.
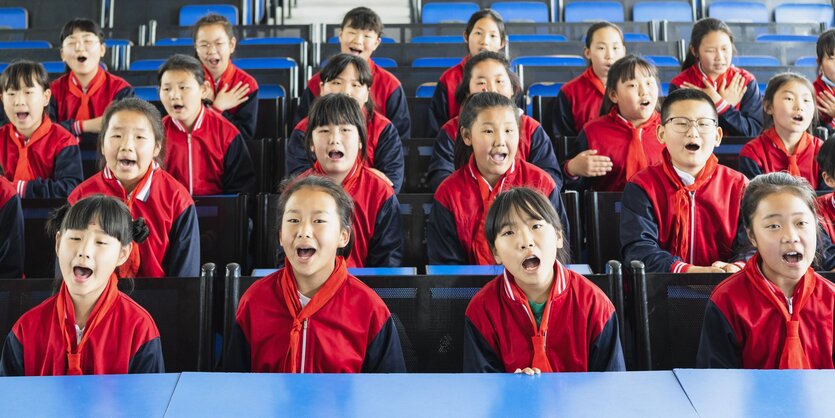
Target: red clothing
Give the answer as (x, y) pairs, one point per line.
(67, 104)
(449, 81)
(11, 232)
(527, 127)
(761, 155)
(695, 76)
(821, 86)
(582, 98)
(383, 84)
(244, 116)
(826, 213)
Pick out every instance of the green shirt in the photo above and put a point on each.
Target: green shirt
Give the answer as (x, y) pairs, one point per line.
(537, 309)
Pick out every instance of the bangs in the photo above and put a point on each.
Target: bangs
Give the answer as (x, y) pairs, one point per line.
(632, 68)
(107, 213)
(335, 112)
(23, 74)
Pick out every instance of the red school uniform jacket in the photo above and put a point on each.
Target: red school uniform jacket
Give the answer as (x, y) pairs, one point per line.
(211, 159)
(500, 329)
(767, 154)
(52, 156)
(444, 106)
(611, 136)
(746, 325)
(579, 102)
(11, 232)
(125, 340)
(173, 246)
(458, 211)
(713, 228)
(352, 332)
(744, 119)
(823, 118)
(826, 212)
(383, 150)
(386, 92)
(65, 105)
(245, 115)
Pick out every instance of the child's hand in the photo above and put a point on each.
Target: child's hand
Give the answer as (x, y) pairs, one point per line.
(589, 164)
(229, 97)
(726, 267)
(705, 269)
(91, 125)
(826, 103)
(381, 175)
(530, 371)
(708, 89)
(732, 92)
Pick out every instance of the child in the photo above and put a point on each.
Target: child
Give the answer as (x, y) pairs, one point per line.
(826, 203)
(787, 145)
(132, 145)
(485, 32)
(89, 327)
(579, 100)
(336, 135)
(622, 141)
(80, 97)
(11, 231)
(360, 35)
(290, 321)
(490, 71)
(41, 158)
(525, 235)
(206, 153)
(824, 84)
(232, 91)
(487, 165)
(777, 312)
(682, 215)
(349, 74)
(708, 68)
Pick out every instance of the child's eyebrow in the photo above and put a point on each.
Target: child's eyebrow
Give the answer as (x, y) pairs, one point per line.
(779, 215)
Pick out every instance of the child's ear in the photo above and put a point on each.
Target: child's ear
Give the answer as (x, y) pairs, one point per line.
(124, 253)
(233, 41)
(102, 49)
(751, 237)
(659, 132)
(205, 89)
(613, 96)
(57, 242)
(828, 180)
(496, 257)
(768, 108)
(47, 95)
(344, 237)
(466, 38)
(719, 135)
(559, 240)
(694, 52)
(377, 43)
(465, 135)
(587, 53)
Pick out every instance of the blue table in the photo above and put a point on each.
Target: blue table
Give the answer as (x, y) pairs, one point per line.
(141, 395)
(637, 394)
(760, 393)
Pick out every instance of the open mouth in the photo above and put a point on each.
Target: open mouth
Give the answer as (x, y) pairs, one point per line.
(82, 273)
(178, 107)
(22, 115)
(336, 155)
(692, 147)
(355, 51)
(126, 164)
(305, 253)
(82, 59)
(499, 158)
(531, 263)
(792, 257)
(645, 103)
(214, 61)
(797, 118)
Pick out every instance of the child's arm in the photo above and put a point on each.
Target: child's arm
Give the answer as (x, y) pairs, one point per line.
(750, 163)
(606, 353)
(384, 354)
(386, 246)
(397, 111)
(748, 119)
(586, 163)
(236, 355)
(388, 156)
(479, 356)
(442, 163)
(438, 110)
(11, 359)
(148, 359)
(245, 117)
(443, 246)
(296, 157)
(183, 256)
(94, 125)
(564, 119)
(11, 246)
(238, 169)
(827, 252)
(543, 156)
(67, 173)
(718, 346)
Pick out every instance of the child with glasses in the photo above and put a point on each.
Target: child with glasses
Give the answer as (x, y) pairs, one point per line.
(682, 215)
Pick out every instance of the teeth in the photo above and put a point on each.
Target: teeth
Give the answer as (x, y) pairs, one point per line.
(530, 263)
(82, 271)
(499, 157)
(792, 257)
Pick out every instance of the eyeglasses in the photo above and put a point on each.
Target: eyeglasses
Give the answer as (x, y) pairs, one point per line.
(682, 125)
(206, 47)
(85, 43)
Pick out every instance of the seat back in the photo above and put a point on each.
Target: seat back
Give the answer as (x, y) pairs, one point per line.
(522, 11)
(571, 203)
(419, 115)
(603, 224)
(39, 247)
(586, 11)
(414, 213)
(804, 12)
(14, 17)
(417, 153)
(672, 11)
(755, 61)
(224, 228)
(190, 14)
(738, 11)
(448, 12)
(271, 121)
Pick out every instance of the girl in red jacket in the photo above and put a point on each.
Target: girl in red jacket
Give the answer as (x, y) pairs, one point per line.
(89, 327)
(824, 84)
(312, 316)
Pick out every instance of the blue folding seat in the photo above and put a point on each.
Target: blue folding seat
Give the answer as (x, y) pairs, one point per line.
(756, 61)
(448, 12)
(550, 61)
(779, 37)
(146, 65)
(634, 37)
(673, 11)
(472, 270)
(803, 12)
(438, 39)
(383, 40)
(273, 41)
(147, 93)
(54, 67)
(665, 89)
(663, 60)
(545, 37)
(738, 11)
(269, 63)
(271, 91)
(25, 45)
(806, 62)
(192, 13)
(111, 42)
(174, 42)
(14, 17)
(586, 11)
(387, 62)
(426, 90)
(434, 62)
(522, 11)
(546, 89)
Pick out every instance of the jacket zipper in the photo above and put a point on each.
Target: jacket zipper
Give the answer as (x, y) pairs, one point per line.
(190, 169)
(692, 223)
(789, 301)
(304, 344)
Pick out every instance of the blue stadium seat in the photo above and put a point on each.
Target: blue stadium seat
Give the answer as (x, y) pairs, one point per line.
(762, 87)
(192, 13)
(665, 89)
(453, 270)
(522, 11)
(383, 271)
(269, 63)
(147, 93)
(778, 37)
(448, 12)
(438, 39)
(146, 65)
(586, 11)
(804, 12)
(549, 89)
(272, 41)
(806, 62)
(3, 66)
(550, 61)
(25, 45)
(756, 61)
(54, 67)
(426, 90)
(14, 17)
(383, 40)
(271, 91)
(673, 11)
(116, 42)
(174, 42)
(545, 37)
(634, 37)
(739, 11)
(386, 62)
(663, 60)
(435, 62)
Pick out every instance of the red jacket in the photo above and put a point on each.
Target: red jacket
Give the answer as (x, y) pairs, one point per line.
(352, 333)
(11, 232)
(54, 160)
(245, 115)
(760, 156)
(579, 102)
(64, 105)
(582, 325)
(211, 159)
(173, 247)
(444, 106)
(826, 212)
(821, 86)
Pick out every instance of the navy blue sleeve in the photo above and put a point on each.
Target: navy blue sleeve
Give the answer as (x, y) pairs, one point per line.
(543, 156)
(443, 246)
(236, 357)
(438, 111)
(124, 92)
(11, 239)
(52, 111)
(718, 347)
(148, 359)
(749, 167)
(742, 247)
(639, 232)
(386, 246)
(388, 156)
(238, 168)
(66, 174)
(564, 119)
(606, 353)
(442, 163)
(479, 357)
(397, 111)
(11, 359)
(305, 101)
(748, 119)
(245, 117)
(296, 157)
(556, 201)
(384, 354)
(579, 183)
(183, 256)
(827, 251)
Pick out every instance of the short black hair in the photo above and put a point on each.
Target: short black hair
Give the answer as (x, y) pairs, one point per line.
(335, 109)
(213, 19)
(680, 95)
(825, 46)
(344, 202)
(339, 62)
(363, 18)
(181, 62)
(623, 70)
(826, 157)
(82, 25)
(24, 73)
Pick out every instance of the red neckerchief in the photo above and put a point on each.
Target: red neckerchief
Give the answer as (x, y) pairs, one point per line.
(65, 310)
(805, 141)
(681, 201)
(225, 78)
(350, 180)
(481, 250)
(821, 85)
(793, 356)
(540, 357)
(23, 171)
(131, 266)
(594, 80)
(636, 158)
(84, 111)
(290, 296)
